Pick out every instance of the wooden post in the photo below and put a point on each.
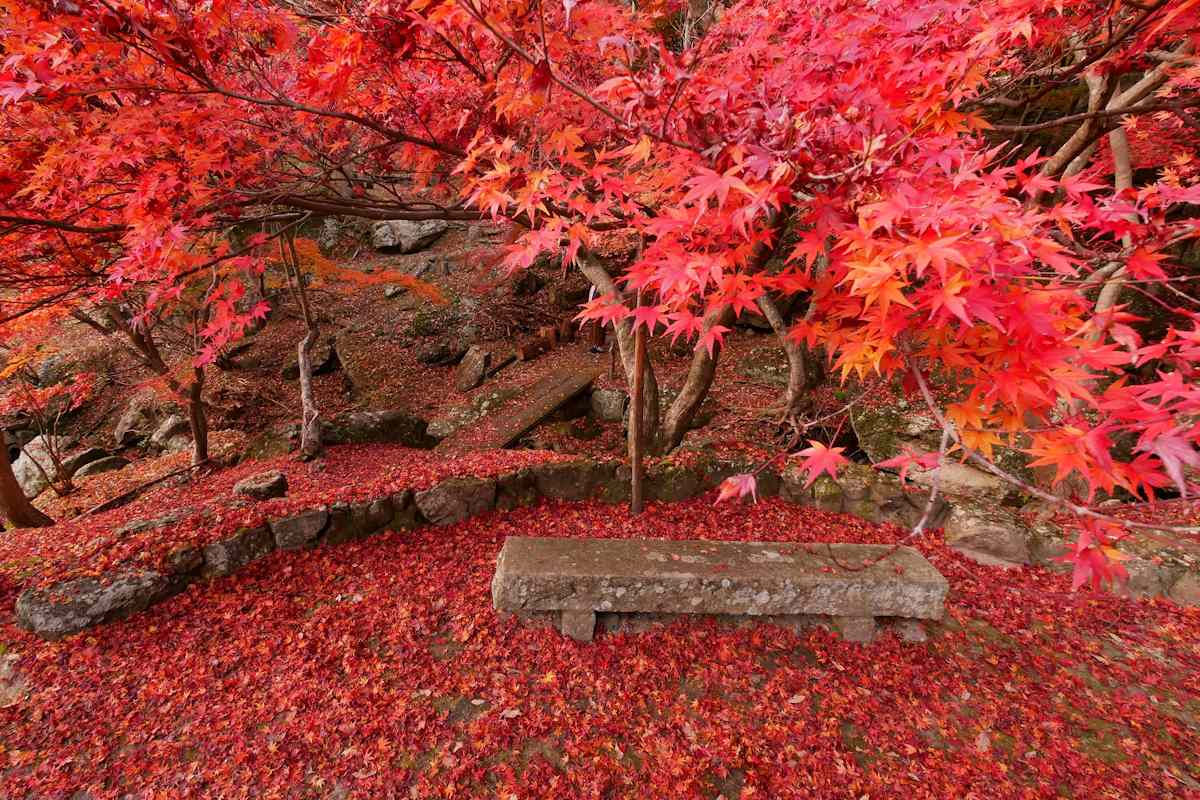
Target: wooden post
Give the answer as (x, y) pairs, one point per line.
(636, 403)
(595, 334)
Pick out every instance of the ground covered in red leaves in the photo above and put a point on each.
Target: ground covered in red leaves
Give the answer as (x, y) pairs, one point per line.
(378, 669)
(197, 509)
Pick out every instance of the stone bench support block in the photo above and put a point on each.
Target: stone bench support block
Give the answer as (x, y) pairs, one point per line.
(580, 577)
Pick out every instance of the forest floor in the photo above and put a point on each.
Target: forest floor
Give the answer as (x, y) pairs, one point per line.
(379, 669)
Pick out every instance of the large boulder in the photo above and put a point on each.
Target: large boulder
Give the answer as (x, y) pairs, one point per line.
(106, 464)
(70, 606)
(608, 405)
(263, 486)
(171, 434)
(472, 368)
(405, 236)
(365, 427)
(885, 431)
(34, 468)
(456, 499)
(988, 533)
(141, 416)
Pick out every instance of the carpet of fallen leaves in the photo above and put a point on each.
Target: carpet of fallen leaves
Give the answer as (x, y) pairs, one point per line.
(379, 669)
(200, 508)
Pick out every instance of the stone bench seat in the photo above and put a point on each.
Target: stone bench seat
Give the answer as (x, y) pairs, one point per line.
(578, 578)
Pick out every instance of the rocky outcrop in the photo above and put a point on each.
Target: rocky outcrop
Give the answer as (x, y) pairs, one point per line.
(172, 434)
(141, 416)
(365, 427)
(404, 236)
(34, 469)
(988, 533)
(863, 491)
(886, 431)
(263, 486)
(71, 606)
(457, 499)
(106, 464)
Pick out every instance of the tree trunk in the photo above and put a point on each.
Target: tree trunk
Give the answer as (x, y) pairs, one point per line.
(15, 506)
(1110, 293)
(310, 423)
(595, 272)
(144, 346)
(197, 419)
(800, 374)
(637, 431)
(682, 413)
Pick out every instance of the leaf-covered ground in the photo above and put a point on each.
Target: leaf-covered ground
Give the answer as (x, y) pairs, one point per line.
(379, 669)
(194, 509)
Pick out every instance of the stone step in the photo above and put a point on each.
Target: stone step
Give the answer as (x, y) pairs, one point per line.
(853, 583)
(521, 413)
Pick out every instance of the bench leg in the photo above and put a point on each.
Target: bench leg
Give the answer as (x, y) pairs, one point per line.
(856, 629)
(579, 625)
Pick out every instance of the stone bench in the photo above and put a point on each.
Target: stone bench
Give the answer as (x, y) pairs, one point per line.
(784, 582)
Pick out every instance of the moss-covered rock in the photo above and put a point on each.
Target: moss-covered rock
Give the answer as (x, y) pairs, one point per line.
(886, 431)
(862, 491)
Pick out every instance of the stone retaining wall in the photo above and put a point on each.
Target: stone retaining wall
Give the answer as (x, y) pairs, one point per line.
(74, 605)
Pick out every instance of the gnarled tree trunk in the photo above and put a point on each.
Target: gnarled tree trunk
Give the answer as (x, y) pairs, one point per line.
(15, 506)
(682, 413)
(146, 351)
(197, 418)
(801, 375)
(679, 417)
(310, 423)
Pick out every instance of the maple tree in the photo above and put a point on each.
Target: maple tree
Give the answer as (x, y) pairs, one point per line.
(45, 406)
(897, 166)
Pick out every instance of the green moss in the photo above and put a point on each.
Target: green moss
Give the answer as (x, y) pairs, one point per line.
(827, 494)
(425, 322)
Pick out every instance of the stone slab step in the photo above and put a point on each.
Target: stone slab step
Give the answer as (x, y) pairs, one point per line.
(521, 413)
